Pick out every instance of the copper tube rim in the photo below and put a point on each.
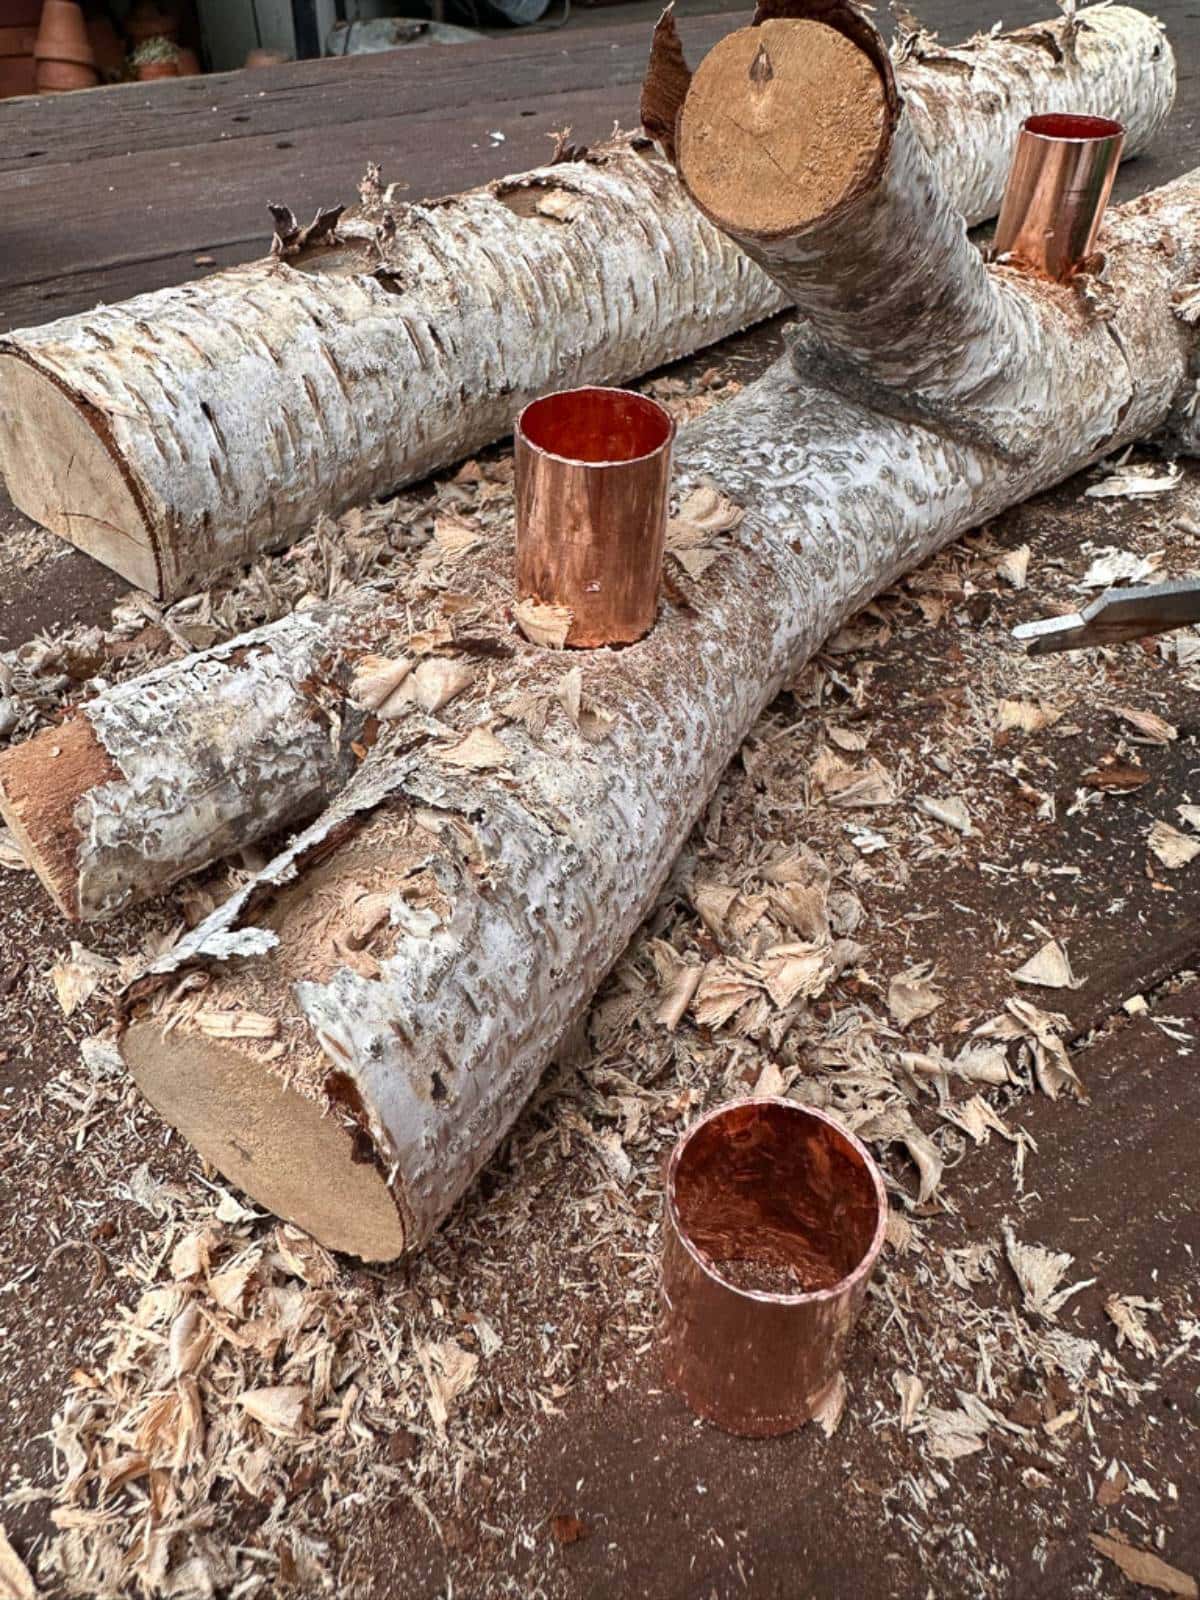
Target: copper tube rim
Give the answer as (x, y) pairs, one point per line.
(1058, 189)
(759, 1189)
(592, 484)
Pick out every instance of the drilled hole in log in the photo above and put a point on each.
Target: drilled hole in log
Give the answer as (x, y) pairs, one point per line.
(781, 124)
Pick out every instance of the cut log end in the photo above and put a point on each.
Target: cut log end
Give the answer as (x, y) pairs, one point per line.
(61, 472)
(41, 782)
(284, 1150)
(782, 124)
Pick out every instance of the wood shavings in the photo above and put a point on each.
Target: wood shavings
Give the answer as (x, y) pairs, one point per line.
(678, 997)
(236, 1024)
(453, 536)
(844, 785)
(1172, 848)
(478, 751)
(1135, 481)
(1189, 814)
(76, 977)
(1114, 566)
(951, 1435)
(911, 996)
(790, 970)
(713, 903)
(1024, 716)
(16, 1580)
(433, 684)
(952, 811)
(1039, 1273)
(280, 1408)
(721, 992)
(11, 859)
(1115, 776)
(1124, 1311)
(376, 684)
(543, 624)
(1150, 728)
(895, 1125)
(911, 1391)
(1049, 968)
(1013, 566)
(1142, 1566)
(1042, 1030)
(831, 1407)
(449, 1372)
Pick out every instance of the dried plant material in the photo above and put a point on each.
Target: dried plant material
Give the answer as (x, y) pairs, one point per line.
(678, 997)
(844, 785)
(11, 859)
(791, 970)
(16, 1580)
(713, 903)
(77, 976)
(435, 682)
(543, 624)
(449, 1372)
(1142, 1566)
(802, 907)
(1024, 716)
(721, 992)
(1013, 566)
(1050, 968)
(911, 1392)
(478, 751)
(1113, 566)
(1039, 1273)
(236, 1024)
(1124, 1311)
(1136, 481)
(377, 683)
(281, 1408)
(952, 811)
(1115, 776)
(453, 536)
(1173, 849)
(911, 996)
(1149, 727)
(831, 1407)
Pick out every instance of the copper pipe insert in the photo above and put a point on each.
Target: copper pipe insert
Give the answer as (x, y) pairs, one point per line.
(774, 1219)
(593, 472)
(1058, 187)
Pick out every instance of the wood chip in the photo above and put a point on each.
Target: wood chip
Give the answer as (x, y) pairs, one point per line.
(16, 1580)
(831, 1407)
(1024, 716)
(1173, 849)
(1050, 968)
(477, 752)
(1013, 566)
(11, 859)
(236, 1024)
(435, 682)
(280, 1408)
(1151, 728)
(453, 536)
(912, 996)
(543, 624)
(853, 787)
(1142, 1566)
(952, 811)
(1116, 777)
(76, 977)
(1039, 1273)
(377, 682)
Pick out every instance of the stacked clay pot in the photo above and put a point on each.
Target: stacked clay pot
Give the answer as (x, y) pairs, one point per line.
(63, 50)
(17, 38)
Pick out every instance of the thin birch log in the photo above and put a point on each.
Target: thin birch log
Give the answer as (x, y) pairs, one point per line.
(185, 431)
(157, 778)
(356, 1084)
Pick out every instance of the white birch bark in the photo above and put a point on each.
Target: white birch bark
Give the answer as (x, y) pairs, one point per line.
(183, 431)
(544, 866)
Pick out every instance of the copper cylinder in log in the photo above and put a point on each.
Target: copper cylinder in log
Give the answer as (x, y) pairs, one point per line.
(774, 1219)
(1058, 187)
(593, 470)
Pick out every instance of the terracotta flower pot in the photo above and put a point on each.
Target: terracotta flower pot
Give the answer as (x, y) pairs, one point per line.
(187, 63)
(265, 58)
(147, 20)
(107, 48)
(149, 70)
(18, 75)
(55, 77)
(62, 36)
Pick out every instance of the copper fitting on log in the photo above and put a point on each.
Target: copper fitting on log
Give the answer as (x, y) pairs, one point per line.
(1058, 187)
(593, 473)
(774, 1219)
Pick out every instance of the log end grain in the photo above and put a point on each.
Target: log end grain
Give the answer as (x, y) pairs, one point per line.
(63, 472)
(41, 783)
(299, 1159)
(782, 124)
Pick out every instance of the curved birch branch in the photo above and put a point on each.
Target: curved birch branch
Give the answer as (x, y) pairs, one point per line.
(357, 1081)
(184, 431)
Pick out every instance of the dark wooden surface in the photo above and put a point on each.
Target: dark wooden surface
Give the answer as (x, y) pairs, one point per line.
(115, 191)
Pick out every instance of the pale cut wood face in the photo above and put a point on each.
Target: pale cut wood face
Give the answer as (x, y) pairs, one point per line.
(61, 473)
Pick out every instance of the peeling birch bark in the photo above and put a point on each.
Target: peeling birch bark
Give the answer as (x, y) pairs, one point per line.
(184, 431)
(211, 754)
(400, 1063)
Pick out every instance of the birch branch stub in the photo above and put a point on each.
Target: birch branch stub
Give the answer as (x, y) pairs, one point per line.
(185, 431)
(512, 888)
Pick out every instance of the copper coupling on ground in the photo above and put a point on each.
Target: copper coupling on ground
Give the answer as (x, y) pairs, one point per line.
(774, 1219)
(1058, 187)
(593, 473)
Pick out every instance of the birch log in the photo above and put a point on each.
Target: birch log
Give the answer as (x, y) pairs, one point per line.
(186, 430)
(158, 778)
(349, 1038)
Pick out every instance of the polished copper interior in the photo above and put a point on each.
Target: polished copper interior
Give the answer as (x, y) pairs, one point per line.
(1058, 188)
(593, 479)
(596, 425)
(768, 1184)
(775, 1217)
